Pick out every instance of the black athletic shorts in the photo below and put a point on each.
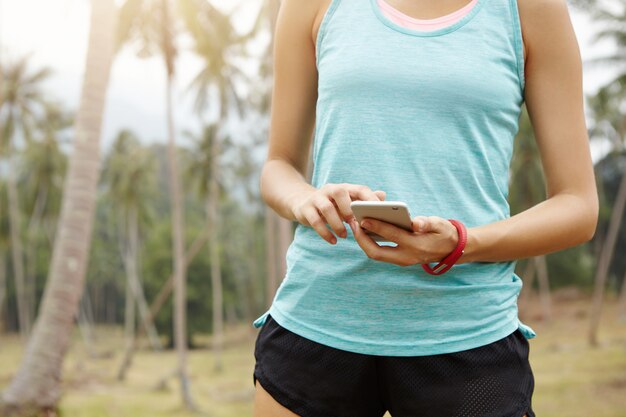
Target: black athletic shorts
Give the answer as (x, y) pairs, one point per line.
(315, 380)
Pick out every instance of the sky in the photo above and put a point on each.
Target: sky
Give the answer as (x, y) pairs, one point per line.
(56, 36)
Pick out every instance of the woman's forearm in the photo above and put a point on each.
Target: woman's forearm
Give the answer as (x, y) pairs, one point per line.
(560, 222)
(280, 183)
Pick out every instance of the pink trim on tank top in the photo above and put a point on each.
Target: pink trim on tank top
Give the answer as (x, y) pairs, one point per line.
(407, 21)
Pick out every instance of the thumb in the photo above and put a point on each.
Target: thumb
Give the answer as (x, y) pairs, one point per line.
(381, 194)
(422, 224)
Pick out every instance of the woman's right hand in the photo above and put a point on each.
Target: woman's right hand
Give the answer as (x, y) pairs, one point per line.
(329, 205)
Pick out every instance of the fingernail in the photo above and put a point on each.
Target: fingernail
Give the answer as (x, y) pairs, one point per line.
(333, 240)
(365, 224)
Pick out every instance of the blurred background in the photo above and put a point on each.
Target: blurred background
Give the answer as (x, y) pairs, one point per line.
(135, 250)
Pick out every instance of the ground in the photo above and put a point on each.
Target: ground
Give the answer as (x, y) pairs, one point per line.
(572, 379)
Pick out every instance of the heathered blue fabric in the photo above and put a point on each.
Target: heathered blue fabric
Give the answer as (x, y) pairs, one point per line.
(430, 118)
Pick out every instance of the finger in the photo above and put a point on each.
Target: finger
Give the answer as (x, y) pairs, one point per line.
(381, 194)
(362, 192)
(341, 196)
(329, 212)
(387, 230)
(319, 225)
(372, 249)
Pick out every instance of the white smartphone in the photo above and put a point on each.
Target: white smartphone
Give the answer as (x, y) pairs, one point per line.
(394, 212)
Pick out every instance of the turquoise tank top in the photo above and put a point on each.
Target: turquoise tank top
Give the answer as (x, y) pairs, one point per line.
(430, 118)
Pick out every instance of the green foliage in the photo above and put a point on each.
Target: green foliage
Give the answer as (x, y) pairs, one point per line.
(572, 267)
(241, 237)
(608, 124)
(23, 102)
(127, 178)
(221, 48)
(148, 26)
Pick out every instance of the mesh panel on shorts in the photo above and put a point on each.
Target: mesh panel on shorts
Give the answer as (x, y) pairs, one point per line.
(489, 381)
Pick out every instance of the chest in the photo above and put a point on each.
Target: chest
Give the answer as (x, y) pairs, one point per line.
(462, 69)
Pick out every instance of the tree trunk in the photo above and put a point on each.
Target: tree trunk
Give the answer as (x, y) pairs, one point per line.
(30, 269)
(3, 291)
(270, 236)
(86, 329)
(241, 270)
(279, 235)
(272, 219)
(285, 236)
(541, 267)
(135, 292)
(131, 262)
(251, 264)
(129, 315)
(3, 283)
(23, 304)
(213, 222)
(604, 261)
(529, 278)
(111, 306)
(621, 303)
(178, 227)
(216, 275)
(166, 289)
(36, 385)
(164, 293)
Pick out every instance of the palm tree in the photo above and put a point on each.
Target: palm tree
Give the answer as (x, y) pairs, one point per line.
(278, 231)
(152, 25)
(613, 23)
(128, 178)
(201, 176)
(22, 106)
(4, 248)
(217, 43)
(245, 171)
(3, 278)
(44, 167)
(609, 123)
(35, 388)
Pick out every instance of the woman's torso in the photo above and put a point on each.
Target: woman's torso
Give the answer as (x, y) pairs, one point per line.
(430, 118)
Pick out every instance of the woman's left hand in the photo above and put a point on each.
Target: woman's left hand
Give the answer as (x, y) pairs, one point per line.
(432, 239)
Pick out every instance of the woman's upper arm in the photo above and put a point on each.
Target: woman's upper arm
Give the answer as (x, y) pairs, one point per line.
(554, 98)
(294, 94)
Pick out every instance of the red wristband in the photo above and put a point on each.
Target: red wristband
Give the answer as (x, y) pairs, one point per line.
(454, 256)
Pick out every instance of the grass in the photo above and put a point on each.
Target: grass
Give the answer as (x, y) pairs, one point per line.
(571, 378)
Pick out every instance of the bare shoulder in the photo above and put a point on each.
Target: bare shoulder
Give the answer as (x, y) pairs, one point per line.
(304, 16)
(543, 10)
(543, 22)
